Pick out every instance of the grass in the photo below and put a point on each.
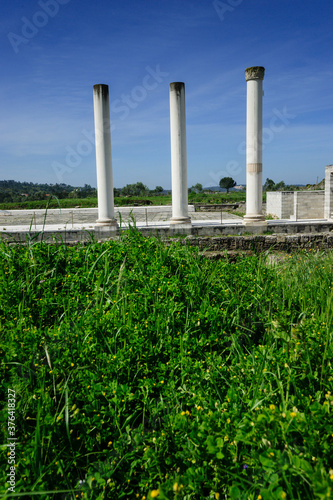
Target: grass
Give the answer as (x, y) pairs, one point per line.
(147, 371)
(81, 203)
(232, 197)
(217, 197)
(50, 203)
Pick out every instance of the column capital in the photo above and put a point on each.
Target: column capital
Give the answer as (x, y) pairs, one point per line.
(177, 87)
(255, 73)
(101, 89)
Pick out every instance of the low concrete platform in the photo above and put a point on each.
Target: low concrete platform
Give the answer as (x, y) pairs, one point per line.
(70, 225)
(84, 217)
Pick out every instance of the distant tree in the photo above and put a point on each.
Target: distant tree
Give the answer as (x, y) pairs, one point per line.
(227, 183)
(138, 189)
(155, 192)
(73, 194)
(198, 187)
(14, 191)
(127, 190)
(280, 186)
(269, 185)
(38, 195)
(87, 191)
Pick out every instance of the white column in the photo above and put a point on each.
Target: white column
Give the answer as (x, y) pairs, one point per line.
(178, 155)
(328, 207)
(103, 157)
(254, 77)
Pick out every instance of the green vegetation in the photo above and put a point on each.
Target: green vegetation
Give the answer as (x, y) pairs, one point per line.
(159, 199)
(27, 192)
(279, 186)
(84, 203)
(17, 192)
(197, 188)
(29, 196)
(214, 198)
(50, 203)
(142, 370)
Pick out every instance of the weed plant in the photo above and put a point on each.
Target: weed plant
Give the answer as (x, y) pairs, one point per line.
(147, 371)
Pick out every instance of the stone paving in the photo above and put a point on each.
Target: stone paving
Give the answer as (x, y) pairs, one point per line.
(86, 217)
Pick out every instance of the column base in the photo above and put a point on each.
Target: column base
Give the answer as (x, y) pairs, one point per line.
(106, 223)
(180, 221)
(254, 220)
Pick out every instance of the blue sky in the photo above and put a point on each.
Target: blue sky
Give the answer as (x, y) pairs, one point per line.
(54, 51)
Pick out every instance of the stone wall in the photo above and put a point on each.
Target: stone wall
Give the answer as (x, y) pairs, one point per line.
(280, 204)
(296, 205)
(328, 210)
(227, 232)
(259, 243)
(308, 205)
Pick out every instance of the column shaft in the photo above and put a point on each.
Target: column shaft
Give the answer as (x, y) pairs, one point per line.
(178, 155)
(103, 156)
(254, 77)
